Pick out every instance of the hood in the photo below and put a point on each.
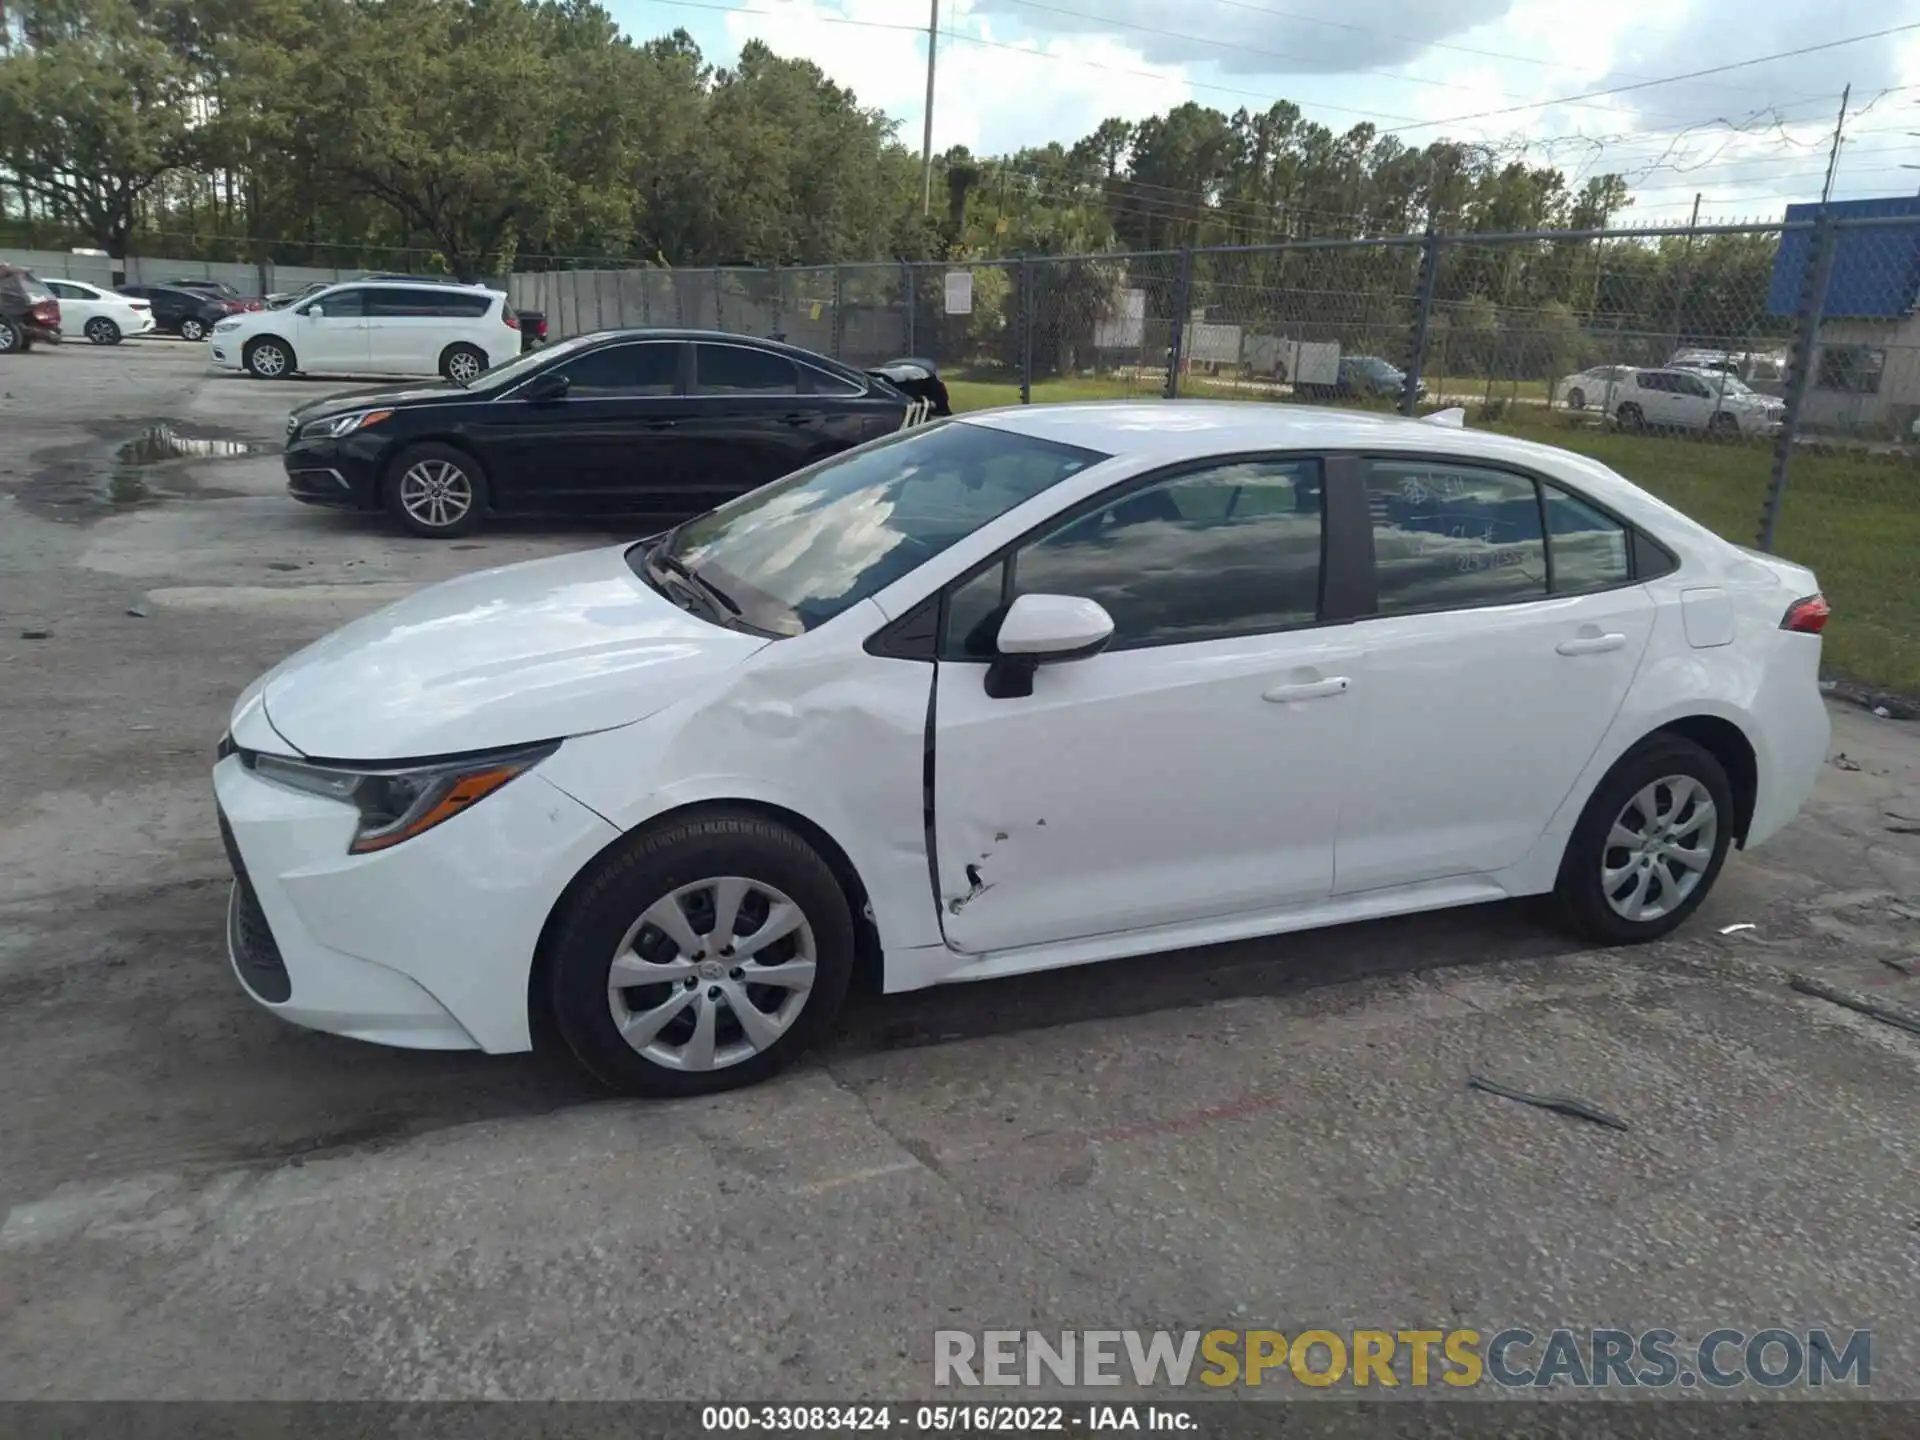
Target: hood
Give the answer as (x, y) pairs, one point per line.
(527, 652)
(379, 396)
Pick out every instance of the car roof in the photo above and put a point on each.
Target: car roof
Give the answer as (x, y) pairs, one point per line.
(1170, 431)
(761, 342)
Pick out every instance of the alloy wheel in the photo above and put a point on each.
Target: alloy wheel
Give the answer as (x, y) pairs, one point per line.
(712, 974)
(1659, 848)
(192, 330)
(436, 492)
(269, 359)
(9, 337)
(102, 331)
(463, 365)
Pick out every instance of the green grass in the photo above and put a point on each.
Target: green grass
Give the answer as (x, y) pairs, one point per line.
(1852, 516)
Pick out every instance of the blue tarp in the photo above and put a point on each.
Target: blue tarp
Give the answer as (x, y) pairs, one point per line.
(1876, 268)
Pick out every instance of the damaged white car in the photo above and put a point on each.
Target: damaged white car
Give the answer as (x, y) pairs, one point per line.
(1022, 689)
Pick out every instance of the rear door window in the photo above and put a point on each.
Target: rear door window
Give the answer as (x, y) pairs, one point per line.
(739, 370)
(1449, 536)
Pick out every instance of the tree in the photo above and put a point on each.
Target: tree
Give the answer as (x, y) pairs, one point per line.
(95, 110)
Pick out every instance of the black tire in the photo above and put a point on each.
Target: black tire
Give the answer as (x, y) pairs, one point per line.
(102, 331)
(268, 357)
(1580, 896)
(639, 873)
(1631, 417)
(1576, 399)
(12, 338)
(404, 501)
(455, 358)
(1723, 426)
(193, 329)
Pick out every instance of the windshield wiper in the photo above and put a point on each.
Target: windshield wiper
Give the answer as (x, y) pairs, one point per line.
(668, 561)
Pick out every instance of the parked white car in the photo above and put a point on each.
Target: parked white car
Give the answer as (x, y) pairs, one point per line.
(102, 316)
(374, 328)
(1593, 387)
(1022, 689)
(1675, 399)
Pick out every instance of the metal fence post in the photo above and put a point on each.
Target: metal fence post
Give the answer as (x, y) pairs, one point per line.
(1422, 322)
(839, 306)
(906, 288)
(1026, 331)
(1806, 345)
(1182, 290)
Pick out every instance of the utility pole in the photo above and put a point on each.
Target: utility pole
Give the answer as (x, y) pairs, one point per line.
(926, 135)
(1833, 155)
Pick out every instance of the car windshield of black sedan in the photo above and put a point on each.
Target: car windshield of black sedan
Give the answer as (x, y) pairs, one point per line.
(794, 554)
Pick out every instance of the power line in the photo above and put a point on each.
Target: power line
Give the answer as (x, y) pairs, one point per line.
(1666, 80)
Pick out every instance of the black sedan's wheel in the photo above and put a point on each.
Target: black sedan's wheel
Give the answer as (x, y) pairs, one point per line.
(102, 331)
(269, 357)
(192, 329)
(436, 491)
(1649, 845)
(462, 364)
(704, 956)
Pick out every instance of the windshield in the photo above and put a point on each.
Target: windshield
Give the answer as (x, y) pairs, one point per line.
(796, 553)
(509, 371)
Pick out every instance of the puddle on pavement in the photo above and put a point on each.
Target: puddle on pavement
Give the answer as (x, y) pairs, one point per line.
(86, 486)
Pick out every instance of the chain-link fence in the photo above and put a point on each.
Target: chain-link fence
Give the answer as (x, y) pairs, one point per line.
(1763, 378)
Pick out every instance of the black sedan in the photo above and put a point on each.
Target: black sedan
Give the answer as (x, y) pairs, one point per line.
(656, 422)
(190, 314)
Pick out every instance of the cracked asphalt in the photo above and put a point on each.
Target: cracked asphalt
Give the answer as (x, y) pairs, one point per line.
(201, 1202)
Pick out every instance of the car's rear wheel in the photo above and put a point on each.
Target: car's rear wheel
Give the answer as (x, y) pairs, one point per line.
(437, 491)
(1631, 417)
(462, 364)
(269, 357)
(102, 331)
(192, 329)
(1649, 845)
(11, 337)
(703, 956)
(1576, 399)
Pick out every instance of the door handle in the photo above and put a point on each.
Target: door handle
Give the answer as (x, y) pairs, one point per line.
(1591, 644)
(661, 424)
(1309, 690)
(798, 419)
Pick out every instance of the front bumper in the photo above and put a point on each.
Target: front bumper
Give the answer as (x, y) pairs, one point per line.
(426, 946)
(224, 350)
(338, 474)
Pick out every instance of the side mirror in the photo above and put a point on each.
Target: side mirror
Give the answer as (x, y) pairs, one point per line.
(1044, 630)
(550, 386)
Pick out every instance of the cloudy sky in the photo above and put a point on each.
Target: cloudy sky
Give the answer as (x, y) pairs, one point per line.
(1021, 72)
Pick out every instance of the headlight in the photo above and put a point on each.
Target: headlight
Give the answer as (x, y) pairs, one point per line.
(223, 325)
(334, 426)
(400, 803)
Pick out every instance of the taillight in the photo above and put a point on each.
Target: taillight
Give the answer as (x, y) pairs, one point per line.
(506, 314)
(540, 328)
(47, 312)
(1808, 615)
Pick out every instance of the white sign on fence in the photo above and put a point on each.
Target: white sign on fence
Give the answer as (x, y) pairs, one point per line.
(959, 292)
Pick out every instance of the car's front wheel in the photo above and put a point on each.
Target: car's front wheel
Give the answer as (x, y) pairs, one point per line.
(269, 358)
(102, 331)
(192, 329)
(1649, 845)
(702, 956)
(437, 491)
(1631, 417)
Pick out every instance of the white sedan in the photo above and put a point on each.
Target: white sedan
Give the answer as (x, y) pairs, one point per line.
(1028, 688)
(102, 316)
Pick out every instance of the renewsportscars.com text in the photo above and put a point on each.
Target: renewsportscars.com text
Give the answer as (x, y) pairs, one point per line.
(1513, 1358)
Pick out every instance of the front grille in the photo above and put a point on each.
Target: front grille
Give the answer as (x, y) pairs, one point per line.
(255, 952)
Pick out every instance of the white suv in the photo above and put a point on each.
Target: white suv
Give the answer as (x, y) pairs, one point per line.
(1680, 399)
(374, 328)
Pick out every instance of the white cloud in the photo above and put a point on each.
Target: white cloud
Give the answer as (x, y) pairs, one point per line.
(1022, 90)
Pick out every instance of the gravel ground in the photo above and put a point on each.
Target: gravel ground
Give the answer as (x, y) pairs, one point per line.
(201, 1202)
